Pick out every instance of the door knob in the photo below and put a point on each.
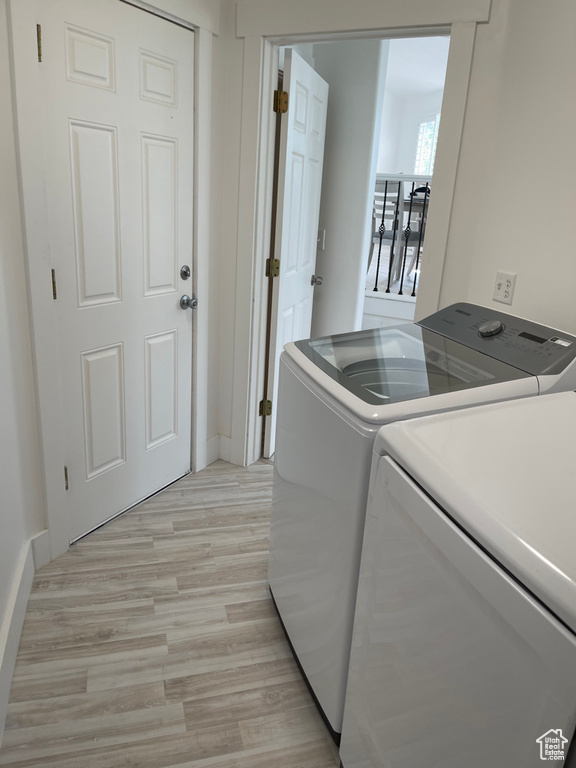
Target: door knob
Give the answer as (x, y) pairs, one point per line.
(185, 272)
(187, 302)
(316, 280)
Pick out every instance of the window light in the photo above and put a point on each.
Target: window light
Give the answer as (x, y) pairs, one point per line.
(426, 146)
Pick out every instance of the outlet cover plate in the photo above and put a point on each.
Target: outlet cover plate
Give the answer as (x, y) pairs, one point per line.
(504, 287)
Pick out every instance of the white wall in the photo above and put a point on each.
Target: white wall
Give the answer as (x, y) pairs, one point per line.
(401, 117)
(21, 494)
(226, 136)
(355, 71)
(390, 129)
(415, 109)
(414, 86)
(305, 51)
(518, 142)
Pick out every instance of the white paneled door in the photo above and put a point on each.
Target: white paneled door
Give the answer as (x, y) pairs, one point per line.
(301, 158)
(118, 152)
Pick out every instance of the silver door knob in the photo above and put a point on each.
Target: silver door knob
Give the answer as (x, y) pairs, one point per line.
(187, 302)
(185, 272)
(316, 280)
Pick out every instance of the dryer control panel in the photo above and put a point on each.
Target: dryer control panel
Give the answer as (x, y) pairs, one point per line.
(531, 347)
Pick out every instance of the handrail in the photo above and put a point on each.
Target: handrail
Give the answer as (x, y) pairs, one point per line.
(403, 177)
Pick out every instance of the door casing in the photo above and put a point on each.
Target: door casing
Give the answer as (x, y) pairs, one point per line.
(265, 26)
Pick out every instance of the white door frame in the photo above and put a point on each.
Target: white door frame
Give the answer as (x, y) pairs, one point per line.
(27, 84)
(264, 25)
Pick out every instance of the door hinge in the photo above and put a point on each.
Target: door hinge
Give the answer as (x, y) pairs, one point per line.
(54, 291)
(39, 41)
(281, 102)
(272, 267)
(66, 486)
(265, 408)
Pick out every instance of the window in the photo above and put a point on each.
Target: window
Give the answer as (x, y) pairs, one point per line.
(426, 146)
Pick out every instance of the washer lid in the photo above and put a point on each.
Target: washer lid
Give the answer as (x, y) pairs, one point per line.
(506, 474)
(390, 365)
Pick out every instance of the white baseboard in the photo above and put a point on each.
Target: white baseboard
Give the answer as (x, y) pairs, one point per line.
(225, 448)
(11, 627)
(213, 449)
(41, 549)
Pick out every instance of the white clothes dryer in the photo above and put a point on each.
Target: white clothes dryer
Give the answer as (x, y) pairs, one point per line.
(334, 394)
(464, 646)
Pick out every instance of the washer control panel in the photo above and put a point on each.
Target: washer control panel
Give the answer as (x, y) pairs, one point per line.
(529, 346)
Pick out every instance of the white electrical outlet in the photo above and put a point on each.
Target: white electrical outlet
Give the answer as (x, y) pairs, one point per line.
(504, 287)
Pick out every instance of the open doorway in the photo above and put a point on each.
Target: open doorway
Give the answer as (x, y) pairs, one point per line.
(365, 123)
(262, 35)
(409, 129)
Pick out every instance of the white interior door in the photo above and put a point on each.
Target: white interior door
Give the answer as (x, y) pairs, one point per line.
(299, 185)
(118, 152)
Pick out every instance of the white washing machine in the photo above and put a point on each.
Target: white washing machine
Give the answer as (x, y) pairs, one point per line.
(464, 646)
(334, 394)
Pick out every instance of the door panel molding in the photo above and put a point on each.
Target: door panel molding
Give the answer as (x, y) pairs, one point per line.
(159, 207)
(90, 58)
(103, 390)
(95, 205)
(161, 387)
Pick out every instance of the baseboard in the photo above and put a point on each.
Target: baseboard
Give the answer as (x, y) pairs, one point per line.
(11, 628)
(213, 450)
(225, 448)
(41, 549)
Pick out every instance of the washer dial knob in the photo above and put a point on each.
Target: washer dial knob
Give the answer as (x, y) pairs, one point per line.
(491, 328)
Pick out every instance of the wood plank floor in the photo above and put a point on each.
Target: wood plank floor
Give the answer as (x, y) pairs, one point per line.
(154, 643)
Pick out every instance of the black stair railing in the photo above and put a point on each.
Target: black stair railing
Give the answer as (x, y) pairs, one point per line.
(396, 235)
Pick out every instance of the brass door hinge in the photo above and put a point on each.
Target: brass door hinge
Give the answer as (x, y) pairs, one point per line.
(265, 408)
(272, 267)
(281, 102)
(54, 291)
(39, 41)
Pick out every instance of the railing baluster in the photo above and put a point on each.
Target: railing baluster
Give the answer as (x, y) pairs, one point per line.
(407, 233)
(381, 230)
(422, 227)
(394, 231)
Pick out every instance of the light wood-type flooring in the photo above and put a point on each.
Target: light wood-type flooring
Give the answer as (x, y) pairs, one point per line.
(153, 642)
